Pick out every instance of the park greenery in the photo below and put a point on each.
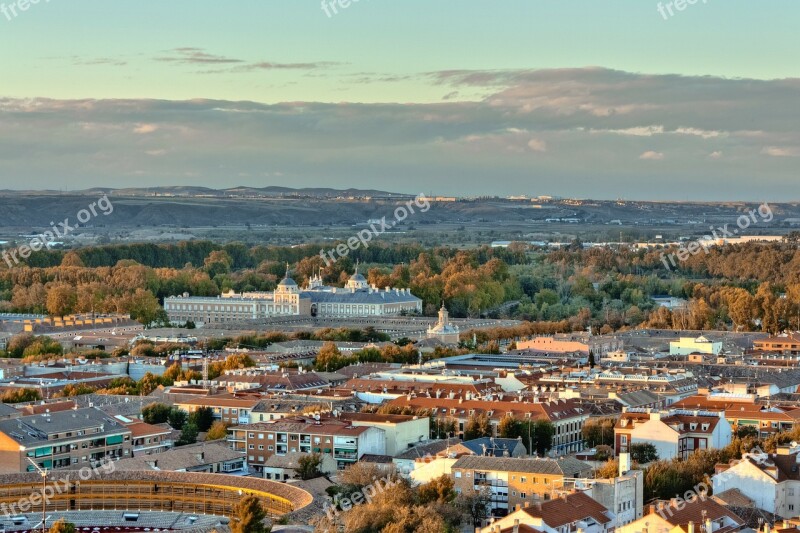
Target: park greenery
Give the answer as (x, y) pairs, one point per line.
(742, 287)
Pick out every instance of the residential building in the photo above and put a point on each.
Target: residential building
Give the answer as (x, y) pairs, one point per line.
(573, 343)
(345, 442)
(673, 432)
(741, 410)
(786, 344)
(284, 467)
(214, 457)
(230, 408)
(566, 416)
(770, 480)
(402, 431)
(686, 516)
(689, 345)
(62, 439)
(147, 439)
(575, 511)
(515, 481)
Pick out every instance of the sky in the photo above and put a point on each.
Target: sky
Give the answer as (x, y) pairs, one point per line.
(584, 98)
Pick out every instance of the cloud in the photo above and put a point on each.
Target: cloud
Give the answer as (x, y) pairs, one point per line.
(195, 56)
(537, 145)
(592, 123)
(781, 151)
(651, 155)
(145, 128)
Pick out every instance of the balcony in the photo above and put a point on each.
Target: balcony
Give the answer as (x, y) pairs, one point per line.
(495, 483)
(345, 456)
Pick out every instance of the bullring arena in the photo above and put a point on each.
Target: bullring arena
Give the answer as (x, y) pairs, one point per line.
(138, 501)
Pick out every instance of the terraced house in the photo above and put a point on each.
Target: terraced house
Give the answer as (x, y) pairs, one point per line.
(63, 439)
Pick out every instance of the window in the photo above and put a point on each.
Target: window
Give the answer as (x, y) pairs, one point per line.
(269, 447)
(523, 495)
(251, 447)
(261, 436)
(251, 435)
(458, 474)
(523, 479)
(260, 446)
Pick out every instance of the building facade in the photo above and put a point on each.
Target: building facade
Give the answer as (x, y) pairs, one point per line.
(356, 299)
(62, 439)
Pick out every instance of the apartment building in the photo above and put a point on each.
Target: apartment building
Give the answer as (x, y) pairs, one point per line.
(340, 439)
(566, 416)
(147, 439)
(230, 408)
(62, 439)
(516, 482)
(786, 344)
(741, 410)
(402, 431)
(673, 432)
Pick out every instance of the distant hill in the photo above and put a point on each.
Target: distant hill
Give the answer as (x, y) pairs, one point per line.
(272, 191)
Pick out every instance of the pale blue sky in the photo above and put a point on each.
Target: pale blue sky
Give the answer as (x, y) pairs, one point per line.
(506, 113)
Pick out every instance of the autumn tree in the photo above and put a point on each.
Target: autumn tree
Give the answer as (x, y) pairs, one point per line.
(478, 425)
(62, 526)
(218, 431)
(249, 516)
(61, 300)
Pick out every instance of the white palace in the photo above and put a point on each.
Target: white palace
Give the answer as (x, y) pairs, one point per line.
(356, 299)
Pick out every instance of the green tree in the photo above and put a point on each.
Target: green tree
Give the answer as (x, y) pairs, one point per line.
(177, 417)
(248, 516)
(644, 452)
(478, 425)
(308, 466)
(598, 431)
(203, 418)
(156, 413)
(188, 435)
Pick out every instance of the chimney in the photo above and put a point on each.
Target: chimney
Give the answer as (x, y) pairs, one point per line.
(516, 525)
(691, 527)
(624, 463)
(708, 525)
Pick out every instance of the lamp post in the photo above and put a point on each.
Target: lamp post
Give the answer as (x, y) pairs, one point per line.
(42, 473)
